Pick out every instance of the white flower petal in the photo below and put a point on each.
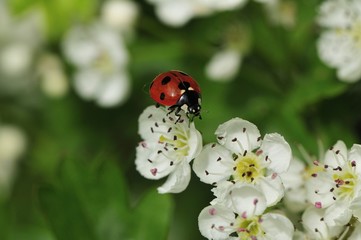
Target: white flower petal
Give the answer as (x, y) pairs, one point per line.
(350, 71)
(213, 164)
(277, 226)
(277, 151)
(214, 222)
(194, 142)
(247, 200)
(147, 123)
(356, 207)
(293, 177)
(355, 156)
(221, 192)
(295, 199)
(272, 188)
(224, 65)
(87, 83)
(175, 13)
(120, 15)
(337, 155)
(238, 135)
(338, 214)
(319, 190)
(178, 180)
(151, 163)
(79, 47)
(114, 90)
(312, 220)
(336, 13)
(225, 4)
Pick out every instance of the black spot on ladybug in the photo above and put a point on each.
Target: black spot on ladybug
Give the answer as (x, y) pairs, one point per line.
(166, 80)
(184, 85)
(162, 96)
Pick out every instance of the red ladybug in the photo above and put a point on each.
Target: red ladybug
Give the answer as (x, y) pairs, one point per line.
(177, 90)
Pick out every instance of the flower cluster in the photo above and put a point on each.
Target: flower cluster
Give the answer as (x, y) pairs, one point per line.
(257, 182)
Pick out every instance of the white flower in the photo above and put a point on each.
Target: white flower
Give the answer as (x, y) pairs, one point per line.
(224, 65)
(337, 187)
(177, 13)
(241, 156)
(53, 80)
(167, 148)
(101, 60)
(119, 14)
(244, 219)
(20, 41)
(282, 12)
(12, 146)
(315, 226)
(339, 45)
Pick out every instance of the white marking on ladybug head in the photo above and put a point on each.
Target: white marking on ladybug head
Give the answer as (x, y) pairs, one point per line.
(183, 91)
(190, 89)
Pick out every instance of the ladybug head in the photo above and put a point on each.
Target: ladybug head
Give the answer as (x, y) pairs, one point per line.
(192, 101)
(194, 109)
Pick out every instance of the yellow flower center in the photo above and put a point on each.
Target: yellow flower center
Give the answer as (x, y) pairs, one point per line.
(346, 181)
(249, 227)
(178, 143)
(248, 168)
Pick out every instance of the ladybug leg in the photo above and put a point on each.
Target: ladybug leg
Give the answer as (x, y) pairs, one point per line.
(172, 109)
(178, 115)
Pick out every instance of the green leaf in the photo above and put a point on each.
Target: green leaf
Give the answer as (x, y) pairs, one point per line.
(152, 216)
(65, 215)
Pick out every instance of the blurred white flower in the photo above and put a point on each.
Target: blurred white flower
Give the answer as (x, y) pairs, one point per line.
(101, 59)
(282, 12)
(167, 148)
(120, 14)
(53, 80)
(20, 39)
(243, 157)
(339, 46)
(12, 146)
(224, 65)
(177, 13)
(245, 219)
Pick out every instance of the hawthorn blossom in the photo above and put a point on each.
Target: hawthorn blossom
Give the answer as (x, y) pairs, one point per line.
(241, 156)
(120, 14)
(244, 219)
(177, 13)
(12, 146)
(21, 38)
(167, 148)
(100, 58)
(336, 187)
(339, 45)
(224, 65)
(315, 226)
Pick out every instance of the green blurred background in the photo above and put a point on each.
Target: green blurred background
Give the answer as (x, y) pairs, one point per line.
(76, 178)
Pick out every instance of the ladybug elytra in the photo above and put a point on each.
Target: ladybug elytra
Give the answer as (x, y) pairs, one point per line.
(177, 90)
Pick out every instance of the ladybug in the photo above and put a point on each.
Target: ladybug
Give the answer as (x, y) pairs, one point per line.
(177, 90)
